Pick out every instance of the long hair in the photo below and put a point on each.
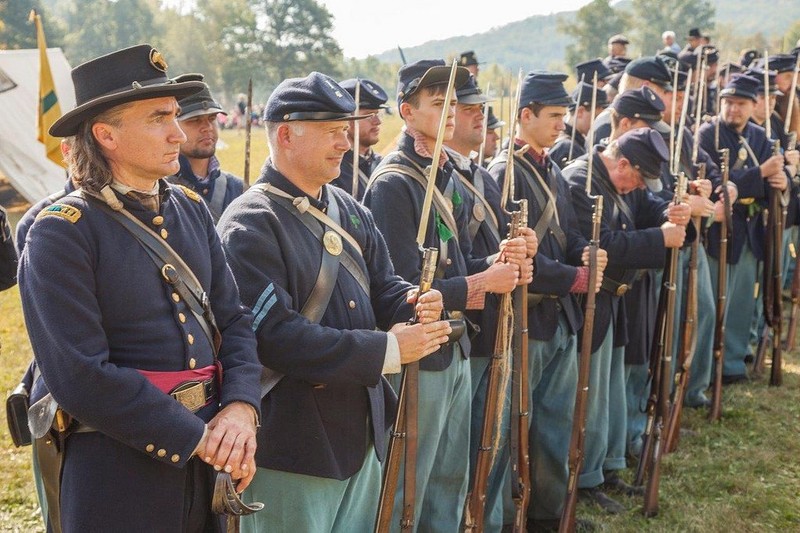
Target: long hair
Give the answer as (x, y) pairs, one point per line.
(88, 166)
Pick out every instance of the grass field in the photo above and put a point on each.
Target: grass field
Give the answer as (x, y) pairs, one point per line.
(740, 475)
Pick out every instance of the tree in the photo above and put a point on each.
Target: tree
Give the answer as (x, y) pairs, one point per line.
(594, 24)
(16, 32)
(296, 37)
(653, 17)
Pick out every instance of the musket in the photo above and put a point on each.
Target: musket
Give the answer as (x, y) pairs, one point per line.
(662, 349)
(475, 505)
(791, 145)
(407, 409)
(575, 118)
(518, 441)
(577, 437)
(247, 128)
(484, 129)
(688, 339)
(715, 410)
(356, 141)
(655, 368)
(673, 110)
(402, 55)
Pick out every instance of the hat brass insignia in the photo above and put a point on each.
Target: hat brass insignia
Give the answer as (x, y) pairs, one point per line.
(157, 60)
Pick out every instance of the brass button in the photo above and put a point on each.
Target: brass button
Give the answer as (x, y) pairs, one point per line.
(205, 191)
(176, 297)
(149, 448)
(158, 220)
(192, 363)
(182, 318)
(175, 458)
(449, 262)
(162, 452)
(352, 304)
(164, 233)
(190, 338)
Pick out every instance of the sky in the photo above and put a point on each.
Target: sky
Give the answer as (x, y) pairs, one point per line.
(364, 28)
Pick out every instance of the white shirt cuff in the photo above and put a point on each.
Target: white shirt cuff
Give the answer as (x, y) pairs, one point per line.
(391, 362)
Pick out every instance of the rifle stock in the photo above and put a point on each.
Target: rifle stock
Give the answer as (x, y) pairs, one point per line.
(404, 433)
(715, 411)
(661, 388)
(520, 462)
(567, 523)
(474, 509)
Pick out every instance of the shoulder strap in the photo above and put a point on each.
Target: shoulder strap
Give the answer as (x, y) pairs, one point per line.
(217, 202)
(478, 191)
(173, 268)
(549, 218)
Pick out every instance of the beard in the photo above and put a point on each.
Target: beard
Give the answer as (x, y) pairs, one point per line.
(199, 153)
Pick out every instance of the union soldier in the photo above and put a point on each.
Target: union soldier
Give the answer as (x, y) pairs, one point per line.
(650, 71)
(486, 227)
(372, 101)
(554, 316)
(309, 260)
(693, 40)
(579, 119)
(617, 48)
(127, 327)
(396, 194)
(585, 72)
(469, 61)
(754, 170)
(636, 230)
(200, 169)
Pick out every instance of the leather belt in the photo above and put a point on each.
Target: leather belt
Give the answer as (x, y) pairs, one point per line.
(614, 287)
(535, 299)
(195, 395)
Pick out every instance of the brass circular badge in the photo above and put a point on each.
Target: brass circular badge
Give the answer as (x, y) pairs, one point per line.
(479, 212)
(332, 242)
(157, 60)
(742, 154)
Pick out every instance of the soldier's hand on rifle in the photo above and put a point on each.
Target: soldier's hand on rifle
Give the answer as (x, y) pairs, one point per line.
(602, 258)
(701, 206)
(428, 307)
(792, 157)
(418, 340)
(778, 181)
(531, 240)
(674, 235)
(229, 443)
(516, 251)
(700, 187)
(501, 278)
(772, 166)
(679, 214)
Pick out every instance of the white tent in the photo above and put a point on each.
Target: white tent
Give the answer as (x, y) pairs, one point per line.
(22, 157)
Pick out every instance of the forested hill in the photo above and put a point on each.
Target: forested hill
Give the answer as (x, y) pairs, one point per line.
(539, 41)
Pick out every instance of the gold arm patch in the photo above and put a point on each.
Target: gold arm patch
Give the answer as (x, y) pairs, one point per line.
(190, 193)
(67, 212)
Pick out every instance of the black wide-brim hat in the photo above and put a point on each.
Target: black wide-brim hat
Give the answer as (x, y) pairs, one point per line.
(128, 75)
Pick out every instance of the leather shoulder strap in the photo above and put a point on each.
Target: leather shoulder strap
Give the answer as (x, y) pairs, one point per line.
(217, 202)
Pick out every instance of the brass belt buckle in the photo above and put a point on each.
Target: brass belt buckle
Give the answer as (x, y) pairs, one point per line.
(622, 289)
(191, 395)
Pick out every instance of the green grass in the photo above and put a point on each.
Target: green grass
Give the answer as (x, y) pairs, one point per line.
(739, 475)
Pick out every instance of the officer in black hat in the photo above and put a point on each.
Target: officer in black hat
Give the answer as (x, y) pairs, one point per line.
(636, 235)
(330, 319)
(396, 195)
(146, 345)
(200, 169)
(571, 143)
(469, 61)
(554, 315)
(694, 39)
(372, 102)
(617, 48)
(754, 170)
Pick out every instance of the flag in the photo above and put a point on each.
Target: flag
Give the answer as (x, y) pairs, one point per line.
(49, 110)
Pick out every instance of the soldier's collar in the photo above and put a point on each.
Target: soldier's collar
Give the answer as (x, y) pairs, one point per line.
(274, 176)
